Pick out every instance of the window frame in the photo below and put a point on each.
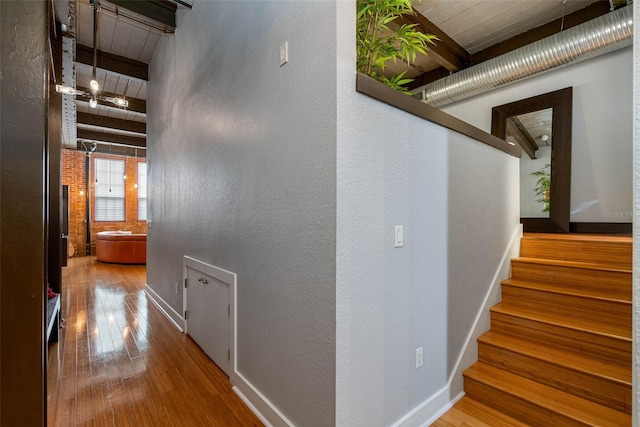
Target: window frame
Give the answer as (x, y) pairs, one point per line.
(97, 194)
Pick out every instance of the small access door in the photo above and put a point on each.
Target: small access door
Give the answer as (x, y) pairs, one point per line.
(208, 313)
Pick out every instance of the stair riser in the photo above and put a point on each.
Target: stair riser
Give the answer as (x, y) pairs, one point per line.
(604, 391)
(614, 284)
(520, 409)
(612, 254)
(606, 312)
(605, 348)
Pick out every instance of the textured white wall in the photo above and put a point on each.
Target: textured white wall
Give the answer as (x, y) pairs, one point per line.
(458, 202)
(242, 176)
(601, 170)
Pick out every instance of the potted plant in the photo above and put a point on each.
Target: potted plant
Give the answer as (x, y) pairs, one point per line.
(380, 40)
(543, 187)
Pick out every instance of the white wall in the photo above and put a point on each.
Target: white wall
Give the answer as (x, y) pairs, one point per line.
(242, 176)
(458, 202)
(289, 178)
(601, 174)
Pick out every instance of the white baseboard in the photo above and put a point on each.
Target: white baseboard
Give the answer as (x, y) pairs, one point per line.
(469, 353)
(174, 317)
(258, 403)
(431, 409)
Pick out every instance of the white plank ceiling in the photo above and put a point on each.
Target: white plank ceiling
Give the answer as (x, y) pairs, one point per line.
(478, 24)
(117, 34)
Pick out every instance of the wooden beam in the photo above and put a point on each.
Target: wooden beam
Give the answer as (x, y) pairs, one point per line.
(428, 77)
(110, 149)
(446, 51)
(110, 137)
(519, 132)
(111, 123)
(135, 104)
(161, 11)
(576, 18)
(113, 63)
(573, 19)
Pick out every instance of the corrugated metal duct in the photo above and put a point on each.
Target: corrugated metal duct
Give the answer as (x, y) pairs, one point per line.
(590, 39)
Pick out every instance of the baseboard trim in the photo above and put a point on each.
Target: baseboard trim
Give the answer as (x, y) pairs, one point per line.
(601, 227)
(164, 308)
(266, 411)
(469, 353)
(431, 409)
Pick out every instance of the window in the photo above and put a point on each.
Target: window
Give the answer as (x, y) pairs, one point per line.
(142, 191)
(109, 190)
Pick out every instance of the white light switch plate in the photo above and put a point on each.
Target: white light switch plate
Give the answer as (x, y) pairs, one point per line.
(399, 236)
(284, 53)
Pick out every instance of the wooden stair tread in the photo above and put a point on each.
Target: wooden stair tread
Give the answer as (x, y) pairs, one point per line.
(611, 251)
(556, 289)
(581, 237)
(563, 358)
(470, 412)
(574, 407)
(570, 264)
(608, 330)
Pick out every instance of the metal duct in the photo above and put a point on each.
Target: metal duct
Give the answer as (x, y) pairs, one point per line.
(590, 39)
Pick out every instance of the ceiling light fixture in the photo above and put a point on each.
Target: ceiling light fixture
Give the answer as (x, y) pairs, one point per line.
(94, 87)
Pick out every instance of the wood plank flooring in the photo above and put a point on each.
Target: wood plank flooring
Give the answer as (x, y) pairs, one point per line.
(119, 361)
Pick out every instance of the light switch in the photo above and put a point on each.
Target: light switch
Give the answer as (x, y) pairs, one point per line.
(399, 236)
(284, 53)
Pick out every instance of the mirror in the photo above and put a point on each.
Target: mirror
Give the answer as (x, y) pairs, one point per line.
(541, 125)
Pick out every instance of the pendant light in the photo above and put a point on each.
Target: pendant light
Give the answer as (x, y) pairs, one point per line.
(94, 87)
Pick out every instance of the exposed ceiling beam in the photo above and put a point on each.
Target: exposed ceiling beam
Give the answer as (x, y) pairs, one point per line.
(109, 148)
(135, 104)
(576, 18)
(111, 123)
(110, 137)
(161, 11)
(519, 132)
(113, 63)
(428, 77)
(446, 51)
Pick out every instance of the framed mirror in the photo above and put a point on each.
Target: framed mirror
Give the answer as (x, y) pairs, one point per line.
(541, 125)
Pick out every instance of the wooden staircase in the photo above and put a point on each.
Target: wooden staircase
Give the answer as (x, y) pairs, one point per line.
(559, 349)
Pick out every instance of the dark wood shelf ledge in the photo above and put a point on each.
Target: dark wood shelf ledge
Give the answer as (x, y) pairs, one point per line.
(376, 90)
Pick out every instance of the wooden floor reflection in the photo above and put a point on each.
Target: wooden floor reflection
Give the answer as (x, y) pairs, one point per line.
(120, 362)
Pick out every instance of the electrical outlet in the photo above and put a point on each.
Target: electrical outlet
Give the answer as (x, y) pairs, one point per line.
(419, 357)
(177, 288)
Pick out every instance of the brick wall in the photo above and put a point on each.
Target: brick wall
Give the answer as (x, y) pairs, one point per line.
(74, 170)
(73, 175)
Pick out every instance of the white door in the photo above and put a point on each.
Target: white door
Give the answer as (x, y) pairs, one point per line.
(208, 315)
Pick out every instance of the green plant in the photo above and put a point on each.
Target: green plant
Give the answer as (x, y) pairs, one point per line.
(379, 41)
(543, 186)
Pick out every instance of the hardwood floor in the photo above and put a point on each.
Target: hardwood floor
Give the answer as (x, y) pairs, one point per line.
(119, 361)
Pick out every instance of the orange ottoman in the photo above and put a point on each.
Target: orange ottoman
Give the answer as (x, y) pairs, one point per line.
(121, 248)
